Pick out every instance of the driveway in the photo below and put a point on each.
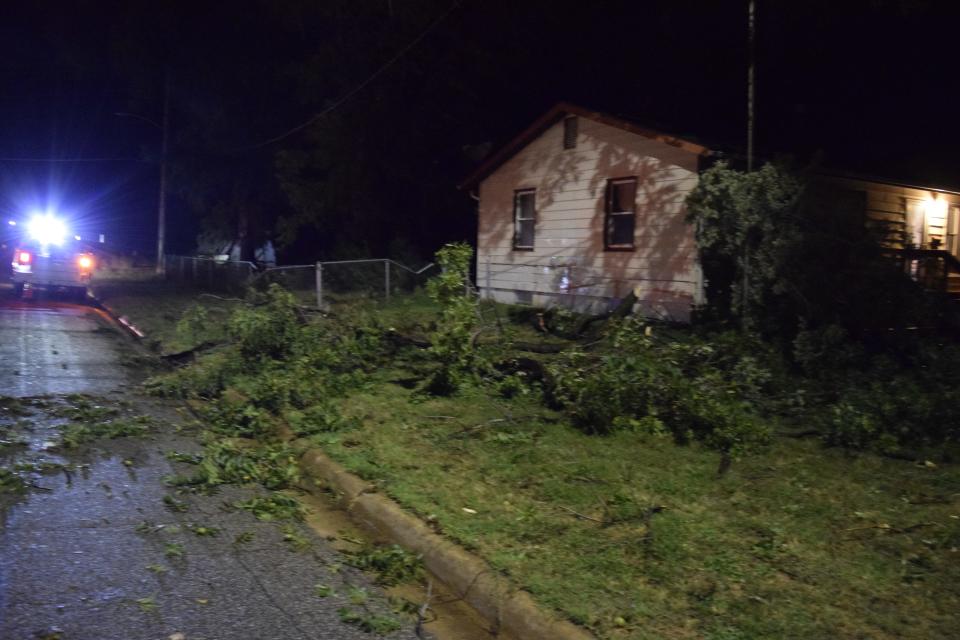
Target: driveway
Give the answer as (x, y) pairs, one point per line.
(91, 550)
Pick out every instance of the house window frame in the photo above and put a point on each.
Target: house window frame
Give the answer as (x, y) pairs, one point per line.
(608, 214)
(517, 220)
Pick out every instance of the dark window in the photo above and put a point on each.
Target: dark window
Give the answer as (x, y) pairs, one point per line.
(621, 213)
(524, 218)
(570, 132)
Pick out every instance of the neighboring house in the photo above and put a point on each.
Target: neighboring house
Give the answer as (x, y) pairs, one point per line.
(582, 208)
(920, 225)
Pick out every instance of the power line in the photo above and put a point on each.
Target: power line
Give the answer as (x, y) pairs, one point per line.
(342, 99)
(70, 159)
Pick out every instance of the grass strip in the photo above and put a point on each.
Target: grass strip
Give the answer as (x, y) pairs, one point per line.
(636, 537)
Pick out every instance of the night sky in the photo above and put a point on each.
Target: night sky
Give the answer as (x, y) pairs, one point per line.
(414, 92)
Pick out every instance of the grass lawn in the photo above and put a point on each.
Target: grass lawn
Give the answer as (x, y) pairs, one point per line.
(635, 537)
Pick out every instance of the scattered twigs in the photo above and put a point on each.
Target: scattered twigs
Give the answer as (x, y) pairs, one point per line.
(441, 417)
(474, 428)
(580, 515)
(422, 611)
(922, 499)
(883, 526)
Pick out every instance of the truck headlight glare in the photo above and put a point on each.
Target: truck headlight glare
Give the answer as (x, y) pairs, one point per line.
(47, 229)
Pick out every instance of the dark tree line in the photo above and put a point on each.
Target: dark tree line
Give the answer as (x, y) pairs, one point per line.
(412, 93)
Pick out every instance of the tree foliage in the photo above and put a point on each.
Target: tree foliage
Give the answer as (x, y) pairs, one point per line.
(748, 231)
(452, 343)
(785, 252)
(692, 390)
(791, 257)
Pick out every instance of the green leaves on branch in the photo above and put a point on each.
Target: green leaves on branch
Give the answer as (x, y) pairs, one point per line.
(690, 390)
(266, 331)
(453, 342)
(233, 462)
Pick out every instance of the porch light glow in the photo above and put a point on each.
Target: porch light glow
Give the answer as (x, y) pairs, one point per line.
(936, 210)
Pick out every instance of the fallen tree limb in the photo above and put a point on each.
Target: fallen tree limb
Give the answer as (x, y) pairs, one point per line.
(801, 433)
(532, 368)
(216, 297)
(183, 357)
(622, 310)
(534, 347)
(400, 340)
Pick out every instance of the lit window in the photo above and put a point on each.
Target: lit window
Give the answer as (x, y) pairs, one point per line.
(621, 209)
(524, 218)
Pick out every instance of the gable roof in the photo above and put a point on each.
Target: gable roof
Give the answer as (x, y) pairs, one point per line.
(555, 114)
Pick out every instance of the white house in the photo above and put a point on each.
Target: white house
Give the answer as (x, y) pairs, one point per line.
(582, 208)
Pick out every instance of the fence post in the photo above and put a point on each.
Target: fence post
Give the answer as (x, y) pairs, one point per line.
(195, 276)
(319, 276)
(386, 279)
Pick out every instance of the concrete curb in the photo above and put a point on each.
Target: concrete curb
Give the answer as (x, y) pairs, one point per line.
(506, 607)
(123, 321)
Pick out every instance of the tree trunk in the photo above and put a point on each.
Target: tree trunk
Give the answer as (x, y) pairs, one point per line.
(725, 461)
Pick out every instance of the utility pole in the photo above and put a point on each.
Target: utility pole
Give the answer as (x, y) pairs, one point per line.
(745, 314)
(162, 199)
(751, 82)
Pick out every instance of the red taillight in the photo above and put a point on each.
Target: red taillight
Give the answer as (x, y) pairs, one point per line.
(85, 263)
(24, 257)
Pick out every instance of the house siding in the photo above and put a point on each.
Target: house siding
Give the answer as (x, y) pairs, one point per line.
(569, 265)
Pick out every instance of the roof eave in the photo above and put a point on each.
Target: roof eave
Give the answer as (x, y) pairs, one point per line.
(558, 111)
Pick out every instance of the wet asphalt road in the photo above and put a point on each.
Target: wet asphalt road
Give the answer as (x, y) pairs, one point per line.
(86, 553)
(47, 346)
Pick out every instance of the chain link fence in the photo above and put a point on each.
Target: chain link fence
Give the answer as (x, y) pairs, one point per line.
(319, 284)
(223, 276)
(345, 280)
